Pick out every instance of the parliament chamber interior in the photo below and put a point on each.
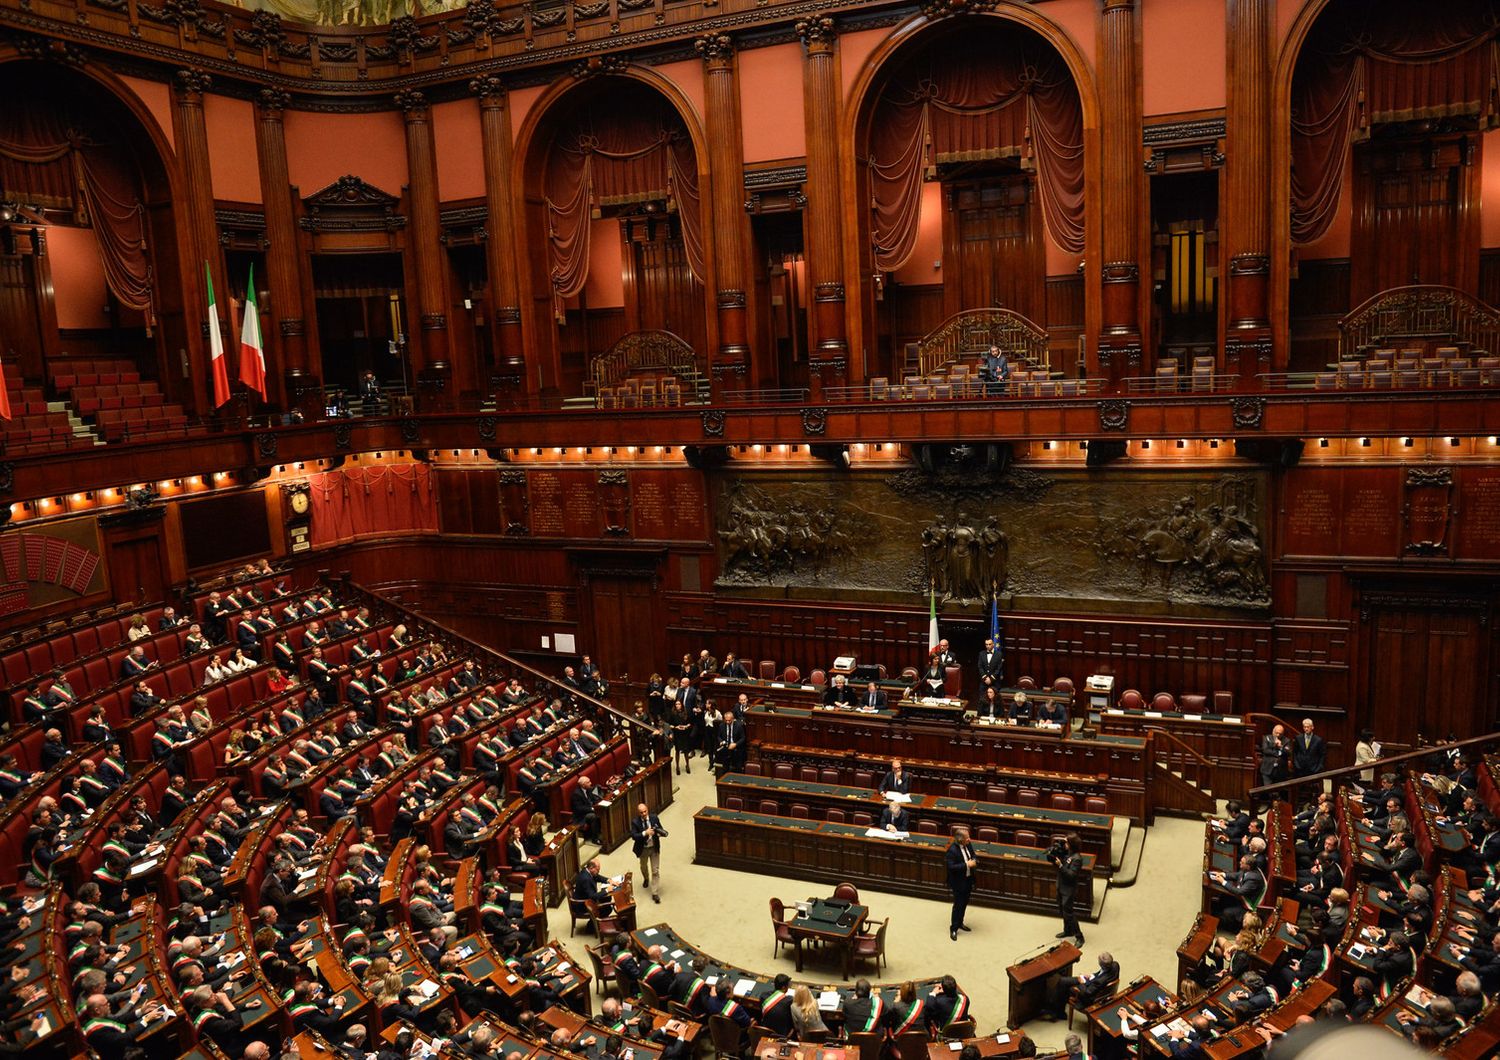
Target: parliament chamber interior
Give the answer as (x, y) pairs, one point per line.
(1037, 460)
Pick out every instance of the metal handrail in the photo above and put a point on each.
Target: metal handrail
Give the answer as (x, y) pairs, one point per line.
(1376, 764)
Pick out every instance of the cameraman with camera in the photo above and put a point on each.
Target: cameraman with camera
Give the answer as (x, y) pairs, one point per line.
(1063, 853)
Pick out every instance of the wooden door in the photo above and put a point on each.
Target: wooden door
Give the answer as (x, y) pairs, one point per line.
(20, 314)
(625, 630)
(994, 233)
(621, 625)
(137, 564)
(1426, 672)
(1416, 215)
(667, 296)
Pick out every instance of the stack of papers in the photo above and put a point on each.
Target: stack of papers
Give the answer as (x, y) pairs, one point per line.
(828, 1001)
(743, 987)
(881, 833)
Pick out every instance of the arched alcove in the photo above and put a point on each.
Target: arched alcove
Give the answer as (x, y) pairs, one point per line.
(972, 149)
(614, 181)
(93, 246)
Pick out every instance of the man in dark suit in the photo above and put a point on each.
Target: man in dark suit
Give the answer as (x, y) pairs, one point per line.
(1400, 861)
(894, 818)
(586, 887)
(864, 1013)
(1069, 864)
(1091, 988)
(991, 665)
(733, 747)
(583, 804)
(734, 669)
(895, 779)
(143, 700)
(776, 1008)
(873, 697)
(688, 696)
(646, 834)
(1274, 755)
(961, 864)
(248, 639)
(1309, 751)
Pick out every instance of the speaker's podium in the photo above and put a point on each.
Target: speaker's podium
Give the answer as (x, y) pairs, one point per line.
(1030, 979)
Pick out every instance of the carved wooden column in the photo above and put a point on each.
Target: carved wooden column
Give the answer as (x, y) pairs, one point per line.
(200, 242)
(431, 346)
(500, 241)
(300, 377)
(1120, 205)
(727, 220)
(829, 354)
(1247, 228)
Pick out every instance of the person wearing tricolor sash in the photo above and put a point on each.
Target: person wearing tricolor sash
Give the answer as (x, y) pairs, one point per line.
(776, 1007)
(723, 1004)
(865, 1012)
(908, 1012)
(110, 1034)
(948, 1005)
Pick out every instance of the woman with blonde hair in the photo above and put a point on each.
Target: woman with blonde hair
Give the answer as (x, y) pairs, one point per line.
(805, 1016)
(235, 748)
(138, 629)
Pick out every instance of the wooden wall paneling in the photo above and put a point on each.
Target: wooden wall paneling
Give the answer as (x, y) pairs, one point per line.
(1064, 319)
(1319, 300)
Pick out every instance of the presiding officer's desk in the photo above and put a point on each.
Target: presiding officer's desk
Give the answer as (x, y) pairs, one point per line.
(901, 700)
(938, 813)
(1008, 877)
(1123, 759)
(751, 988)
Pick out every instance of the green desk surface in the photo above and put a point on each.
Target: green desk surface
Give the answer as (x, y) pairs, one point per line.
(1134, 743)
(855, 831)
(1174, 715)
(1045, 814)
(676, 948)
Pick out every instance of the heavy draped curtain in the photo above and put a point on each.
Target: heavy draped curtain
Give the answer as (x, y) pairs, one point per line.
(976, 99)
(1373, 61)
(48, 158)
(355, 502)
(630, 158)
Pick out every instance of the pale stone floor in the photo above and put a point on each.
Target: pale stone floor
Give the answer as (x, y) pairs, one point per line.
(725, 912)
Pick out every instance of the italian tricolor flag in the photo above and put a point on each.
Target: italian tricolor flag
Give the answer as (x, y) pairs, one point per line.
(216, 345)
(252, 350)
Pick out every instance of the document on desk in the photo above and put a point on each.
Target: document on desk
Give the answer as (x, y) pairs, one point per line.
(897, 796)
(828, 1001)
(743, 987)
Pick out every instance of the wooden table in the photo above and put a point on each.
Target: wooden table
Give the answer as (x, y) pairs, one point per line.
(990, 1045)
(751, 988)
(779, 1049)
(828, 922)
(1030, 979)
(1094, 830)
(1106, 1032)
(1008, 877)
(1123, 758)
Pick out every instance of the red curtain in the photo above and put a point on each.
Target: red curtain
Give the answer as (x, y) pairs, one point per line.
(982, 98)
(47, 155)
(1373, 61)
(360, 502)
(636, 154)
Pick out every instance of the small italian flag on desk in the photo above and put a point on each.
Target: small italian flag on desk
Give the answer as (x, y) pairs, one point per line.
(216, 362)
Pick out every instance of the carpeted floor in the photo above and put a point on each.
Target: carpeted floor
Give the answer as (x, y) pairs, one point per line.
(726, 913)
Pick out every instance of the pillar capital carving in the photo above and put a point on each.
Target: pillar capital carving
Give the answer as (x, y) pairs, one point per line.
(272, 101)
(490, 90)
(818, 34)
(191, 83)
(717, 49)
(412, 103)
